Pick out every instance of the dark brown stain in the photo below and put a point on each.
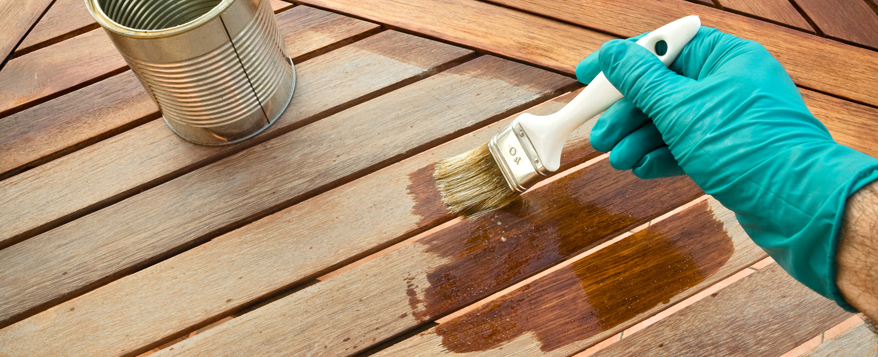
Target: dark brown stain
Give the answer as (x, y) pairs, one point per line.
(547, 225)
(601, 290)
(428, 203)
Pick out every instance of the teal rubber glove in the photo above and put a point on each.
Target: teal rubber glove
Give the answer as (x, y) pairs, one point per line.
(727, 114)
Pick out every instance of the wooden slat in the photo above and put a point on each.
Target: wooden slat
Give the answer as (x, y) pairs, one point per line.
(781, 11)
(484, 26)
(18, 17)
(600, 295)
(66, 123)
(765, 314)
(241, 266)
(64, 18)
(446, 268)
(849, 123)
(68, 18)
(58, 68)
(214, 198)
(856, 342)
(813, 62)
(852, 20)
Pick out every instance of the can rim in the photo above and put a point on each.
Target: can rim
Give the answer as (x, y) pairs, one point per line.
(107, 23)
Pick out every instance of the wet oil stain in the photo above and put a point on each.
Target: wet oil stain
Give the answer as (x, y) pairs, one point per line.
(547, 225)
(428, 203)
(602, 290)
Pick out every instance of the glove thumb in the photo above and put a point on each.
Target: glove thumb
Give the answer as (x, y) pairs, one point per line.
(641, 77)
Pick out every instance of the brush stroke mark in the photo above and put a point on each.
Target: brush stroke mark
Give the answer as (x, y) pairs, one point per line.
(545, 226)
(601, 290)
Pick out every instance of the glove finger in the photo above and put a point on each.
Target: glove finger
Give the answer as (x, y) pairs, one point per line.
(589, 67)
(657, 164)
(635, 146)
(617, 122)
(642, 78)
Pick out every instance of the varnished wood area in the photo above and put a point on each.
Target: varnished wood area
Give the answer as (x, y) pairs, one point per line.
(597, 296)
(325, 234)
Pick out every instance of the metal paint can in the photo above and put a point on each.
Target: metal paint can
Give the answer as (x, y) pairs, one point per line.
(216, 68)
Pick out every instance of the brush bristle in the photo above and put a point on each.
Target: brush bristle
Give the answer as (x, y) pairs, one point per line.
(472, 183)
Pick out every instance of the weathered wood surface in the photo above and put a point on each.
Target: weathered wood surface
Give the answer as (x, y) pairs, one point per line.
(849, 123)
(59, 68)
(258, 259)
(77, 119)
(65, 19)
(174, 215)
(448, 267)
(601, 294)
(507, 32)
(837, 68)
(68, 18)
(851, 20)
(781, 11)
(856, 342)
(765, 314)
(18, 18)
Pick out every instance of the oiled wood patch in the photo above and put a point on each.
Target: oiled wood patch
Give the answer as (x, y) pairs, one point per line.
(602, 290)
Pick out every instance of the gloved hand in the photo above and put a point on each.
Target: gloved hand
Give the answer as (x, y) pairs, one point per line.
(727, 114)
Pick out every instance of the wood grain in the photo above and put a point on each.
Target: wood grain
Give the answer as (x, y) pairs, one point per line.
(69, 18)
(173, 216)
(64, 18)
(507, 32)
(258, 259)
(49, 193)
(57, 69)
(18, 18)
(850, 124)
(851, 20)
(446, 268)
(765, 314)
(858, 341)
(781, 11)
(601, 294)
(813, 62)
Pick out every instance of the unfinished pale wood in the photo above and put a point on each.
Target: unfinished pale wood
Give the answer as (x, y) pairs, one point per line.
(17, 18)
(852, 20)
(765, 314)
(781, 11)
(57, 68)
(258, 259)
(563, 326)
(812, 61)
(36, 134)
(856, 342)
(68, 18)
(183, 211)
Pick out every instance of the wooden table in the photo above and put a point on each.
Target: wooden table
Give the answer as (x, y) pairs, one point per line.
(325, 235)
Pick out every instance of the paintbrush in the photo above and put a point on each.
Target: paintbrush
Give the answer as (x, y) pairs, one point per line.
(528, 149)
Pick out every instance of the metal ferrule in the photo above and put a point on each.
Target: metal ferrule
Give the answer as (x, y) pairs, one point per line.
(516, 157)
(217, 69)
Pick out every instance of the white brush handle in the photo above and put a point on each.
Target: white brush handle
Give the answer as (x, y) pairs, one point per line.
(548, 133)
